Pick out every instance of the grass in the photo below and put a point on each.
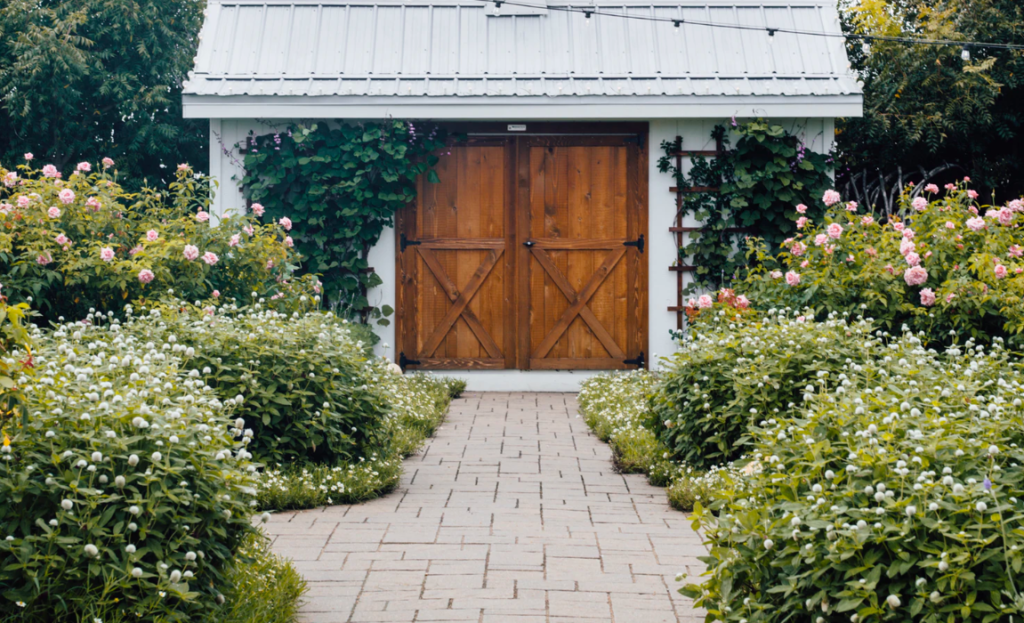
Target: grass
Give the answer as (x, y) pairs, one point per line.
(614, 406)
(419, 404)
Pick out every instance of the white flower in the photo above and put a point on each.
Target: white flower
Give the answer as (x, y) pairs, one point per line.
(136, 572)
(133, 460)
(911, 511)
(156, 456)
(92, 550)
(190, 556)
(67, 504)
(893, 601)
(130, 549)
(993, 450)
(97, 457)
(981, 507)
(175, 576)
(134, 510)
(933, 506)
(119, 481)
(265, 517)
(768, 543)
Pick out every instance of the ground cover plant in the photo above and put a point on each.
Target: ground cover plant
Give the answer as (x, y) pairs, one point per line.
(894, 492)
(946, 265)
(81, 243)
(128, 489)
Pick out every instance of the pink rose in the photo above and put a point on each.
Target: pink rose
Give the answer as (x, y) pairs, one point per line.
(890, 269)
(270, 264)
(741, 302)
(152, 235)
(867, 220)
(950, 186)
(972, 209)
(135, 250)
(248, 229)
(704, 301)
(67, 195)
(908, 234)
(29, 156)
(50, 171)
(913, 259)
(1000, 271)
(831, 197)
(927, 297)
(906, 246)
(202, 216)
(792, 278)
(950, 297)
(107, 163)
(146, 275)
(931, 188)
(106, 254)
(801, 222)
(804, 264)
(973, 194)
(835, 230)
(216, 294)
(776, 274)
(915, 276)
(85, 167)
(288, 242)
(950, 225)
(6, 208)
(1016, 251)
(692, 303)
(210, 258)
(919, 203)
(233, 242)
(828, 249)
(976, 223)
(1005, 217)
(286, 223)
(851, 206)
(801, 208)
(44, 259)
(798, 249)
(898, 226)
(849, 258)
(53, 212)
(257, 209)
(191, 252)
(871, 251)
(1016, 205)
(967, 179)
(820, 239)
(62, 240)
(93, 203)
(23, 201)
(183, 167)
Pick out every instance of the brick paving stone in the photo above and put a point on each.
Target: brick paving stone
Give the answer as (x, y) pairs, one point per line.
(512, 513)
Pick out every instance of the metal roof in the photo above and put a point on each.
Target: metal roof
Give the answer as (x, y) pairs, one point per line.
(285, 54)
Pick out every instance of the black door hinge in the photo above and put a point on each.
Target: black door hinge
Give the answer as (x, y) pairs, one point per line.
(637, 140)
(405, 242)
(638, 243)
(403, 362)
(636, 361)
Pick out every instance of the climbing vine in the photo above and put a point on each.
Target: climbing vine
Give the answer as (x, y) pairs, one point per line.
(340, 185)
(761, 181)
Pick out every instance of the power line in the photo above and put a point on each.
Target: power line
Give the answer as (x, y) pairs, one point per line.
(589, 11)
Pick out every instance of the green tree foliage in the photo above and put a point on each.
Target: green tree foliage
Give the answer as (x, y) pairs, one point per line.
(924, 105)
(93, 78)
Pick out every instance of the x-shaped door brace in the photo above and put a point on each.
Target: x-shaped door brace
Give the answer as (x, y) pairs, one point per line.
(460, 302)
(578, 303)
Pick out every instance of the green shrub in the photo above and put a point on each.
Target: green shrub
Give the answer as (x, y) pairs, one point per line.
(949, 267)
(731, 369)
(71, 245)
(416, 406)
(895, 494)
(267, 587)
(306, 391)
(125, 491)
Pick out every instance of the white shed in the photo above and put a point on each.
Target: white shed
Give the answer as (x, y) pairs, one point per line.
(544, 254)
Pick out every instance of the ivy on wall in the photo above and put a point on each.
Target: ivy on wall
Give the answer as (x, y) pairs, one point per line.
(761, 181)
(340, 185)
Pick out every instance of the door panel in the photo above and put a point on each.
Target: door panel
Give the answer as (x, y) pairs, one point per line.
(576, 219)
(456, 278)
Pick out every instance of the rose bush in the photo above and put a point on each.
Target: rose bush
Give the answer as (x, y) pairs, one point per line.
(734, 364)
(949, 266)
(71, 245)
(894, 493)
(127, 487)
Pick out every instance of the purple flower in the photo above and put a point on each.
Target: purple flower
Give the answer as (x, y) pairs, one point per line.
(987, 483)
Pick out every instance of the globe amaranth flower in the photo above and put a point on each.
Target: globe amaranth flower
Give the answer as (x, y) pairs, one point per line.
(915, 276)
(191, 252)
(927, 297)
(831, 197)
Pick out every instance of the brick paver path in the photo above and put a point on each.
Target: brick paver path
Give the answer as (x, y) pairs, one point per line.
(513, 513)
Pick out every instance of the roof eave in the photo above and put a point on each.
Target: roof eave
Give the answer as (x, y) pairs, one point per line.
(520, 108)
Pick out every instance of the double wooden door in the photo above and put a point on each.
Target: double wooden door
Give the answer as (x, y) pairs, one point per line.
(528, 254)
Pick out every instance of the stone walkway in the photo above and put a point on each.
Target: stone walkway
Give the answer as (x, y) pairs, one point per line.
(513, 513)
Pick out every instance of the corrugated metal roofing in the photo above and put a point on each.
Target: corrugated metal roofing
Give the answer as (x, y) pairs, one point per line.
(418, 48)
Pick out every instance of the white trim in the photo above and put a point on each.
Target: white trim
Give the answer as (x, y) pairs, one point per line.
(520, 380)
(305, 107)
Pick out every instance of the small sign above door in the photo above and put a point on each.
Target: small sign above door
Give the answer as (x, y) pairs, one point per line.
(517, 127)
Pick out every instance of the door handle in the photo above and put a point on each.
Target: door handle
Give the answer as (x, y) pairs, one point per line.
(529, 243)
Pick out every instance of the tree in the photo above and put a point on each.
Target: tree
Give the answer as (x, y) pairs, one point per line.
(93, 78)
(924, 106)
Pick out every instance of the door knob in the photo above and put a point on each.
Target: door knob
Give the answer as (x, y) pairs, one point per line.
(528, 243)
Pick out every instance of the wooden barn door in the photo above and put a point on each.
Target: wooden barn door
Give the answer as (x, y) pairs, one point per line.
(528, 254)
(454, 267)
(582, 274)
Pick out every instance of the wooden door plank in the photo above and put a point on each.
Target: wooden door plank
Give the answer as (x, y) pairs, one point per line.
(588, 316)
(581, 299)
(459, 305)
(523, 209)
